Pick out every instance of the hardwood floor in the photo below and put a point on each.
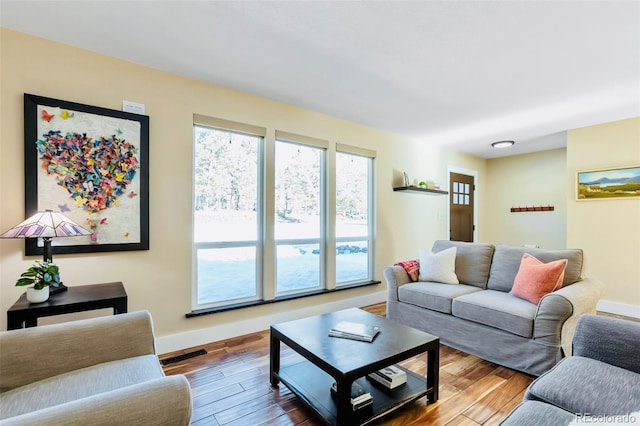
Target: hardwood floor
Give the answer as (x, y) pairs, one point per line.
(230, 386)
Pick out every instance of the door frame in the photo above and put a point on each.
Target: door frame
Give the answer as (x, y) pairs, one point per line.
(468, 172)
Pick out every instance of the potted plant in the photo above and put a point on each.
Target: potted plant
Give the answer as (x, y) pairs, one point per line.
(40, 276)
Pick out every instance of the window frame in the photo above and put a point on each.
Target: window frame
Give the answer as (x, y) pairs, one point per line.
(232, 127)
(266, 244)
(321, 240)
(371, 217)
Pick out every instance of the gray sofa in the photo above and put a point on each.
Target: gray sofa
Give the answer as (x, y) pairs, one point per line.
(100, 371)
(600, 383)
(479, 316)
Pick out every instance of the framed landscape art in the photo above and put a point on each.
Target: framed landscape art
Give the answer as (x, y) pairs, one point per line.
(602, 184)
(92, 165)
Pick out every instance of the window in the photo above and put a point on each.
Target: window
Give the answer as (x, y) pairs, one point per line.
(227, 211)
(461, 193)
(299, 213)
(244, 253)
(354, 201)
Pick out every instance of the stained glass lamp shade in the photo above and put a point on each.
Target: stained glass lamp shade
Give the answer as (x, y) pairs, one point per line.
(46, 225)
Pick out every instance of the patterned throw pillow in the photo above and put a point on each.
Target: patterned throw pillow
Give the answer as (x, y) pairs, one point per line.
(412, 267)
(536, 278)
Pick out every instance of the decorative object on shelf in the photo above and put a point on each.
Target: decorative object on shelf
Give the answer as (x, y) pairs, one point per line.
(532, 209)
(45, 225)
(360, 398)
(92, 163)
(406, 179)
(422, 184)
(601, 184)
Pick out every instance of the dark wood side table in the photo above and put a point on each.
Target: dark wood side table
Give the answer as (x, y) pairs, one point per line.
(76, 299)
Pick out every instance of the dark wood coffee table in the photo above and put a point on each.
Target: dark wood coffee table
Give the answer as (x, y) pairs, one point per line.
(330, 359)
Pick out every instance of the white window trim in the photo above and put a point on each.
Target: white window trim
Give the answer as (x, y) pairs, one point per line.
(370, 238)
(321, 240)
(242, 128)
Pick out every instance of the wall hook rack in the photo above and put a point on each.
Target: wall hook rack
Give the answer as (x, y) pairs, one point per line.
(532, 209)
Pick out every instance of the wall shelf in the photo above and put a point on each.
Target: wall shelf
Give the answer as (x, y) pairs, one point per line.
(418, 189)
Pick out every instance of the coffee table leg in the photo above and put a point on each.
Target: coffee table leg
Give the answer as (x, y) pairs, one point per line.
(433, 373)
(343, 401)
(274, 360)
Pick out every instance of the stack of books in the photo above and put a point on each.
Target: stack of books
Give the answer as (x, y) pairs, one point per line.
(354, 331)
(389, 377)
(360, 398)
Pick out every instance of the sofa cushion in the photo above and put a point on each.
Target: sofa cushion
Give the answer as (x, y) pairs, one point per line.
(537, 413)
(496, 309)
(535, 278)
(438, 267)
(433, 296)
(583, 385)
(506, 262)
(473, 261)
(79, 384)
(610, 340)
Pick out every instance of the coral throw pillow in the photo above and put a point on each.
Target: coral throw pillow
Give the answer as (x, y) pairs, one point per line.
(412, 267)
(536, 278)
(438, 267)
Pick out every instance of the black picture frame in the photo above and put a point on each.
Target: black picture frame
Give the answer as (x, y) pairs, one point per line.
(68, 147)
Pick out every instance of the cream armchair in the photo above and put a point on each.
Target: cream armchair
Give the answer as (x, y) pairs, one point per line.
(100, 371)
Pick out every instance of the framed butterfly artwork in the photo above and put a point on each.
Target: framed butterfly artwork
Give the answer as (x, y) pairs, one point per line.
(92, 165)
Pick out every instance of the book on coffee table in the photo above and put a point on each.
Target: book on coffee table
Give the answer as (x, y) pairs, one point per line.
(389, 377)
(360, 398)
(354, 331)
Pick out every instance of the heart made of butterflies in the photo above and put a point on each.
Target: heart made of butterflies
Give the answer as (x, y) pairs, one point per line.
(95, 171)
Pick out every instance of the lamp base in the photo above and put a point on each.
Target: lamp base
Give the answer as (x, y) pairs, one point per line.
(61, 287)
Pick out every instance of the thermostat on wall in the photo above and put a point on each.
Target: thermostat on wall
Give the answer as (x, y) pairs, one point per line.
(134, 107)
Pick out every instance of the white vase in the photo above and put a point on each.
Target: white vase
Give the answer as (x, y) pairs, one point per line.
(37, 296)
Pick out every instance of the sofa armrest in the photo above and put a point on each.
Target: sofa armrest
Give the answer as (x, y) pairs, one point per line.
(558, 312)
(33, 354)
(395, 276)
(164, 401)
(610, 340)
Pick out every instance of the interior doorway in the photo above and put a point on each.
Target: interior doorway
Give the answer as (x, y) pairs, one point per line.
(461, 207)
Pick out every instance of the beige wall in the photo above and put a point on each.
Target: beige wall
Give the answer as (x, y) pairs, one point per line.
(160, 279)
(607, 230)
(536, 179)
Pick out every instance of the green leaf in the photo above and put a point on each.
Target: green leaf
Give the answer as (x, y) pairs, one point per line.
(24, 281)
(40, 274)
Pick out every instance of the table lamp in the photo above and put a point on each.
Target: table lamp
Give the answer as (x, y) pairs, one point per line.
(46, 225)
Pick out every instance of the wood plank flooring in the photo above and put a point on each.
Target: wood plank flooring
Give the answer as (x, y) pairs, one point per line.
(230, 386)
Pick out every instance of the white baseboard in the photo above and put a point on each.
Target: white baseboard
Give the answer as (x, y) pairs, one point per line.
(617, 308)
(202, 336)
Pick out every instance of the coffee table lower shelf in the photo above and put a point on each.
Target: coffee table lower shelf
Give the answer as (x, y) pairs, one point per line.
(313, 385)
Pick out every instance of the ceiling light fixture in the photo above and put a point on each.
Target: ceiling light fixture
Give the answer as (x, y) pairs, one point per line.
(502, 144)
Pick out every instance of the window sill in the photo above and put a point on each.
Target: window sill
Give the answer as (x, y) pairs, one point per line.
(207, 311)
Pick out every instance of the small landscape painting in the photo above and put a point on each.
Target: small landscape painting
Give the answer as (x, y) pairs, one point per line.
(621, 182)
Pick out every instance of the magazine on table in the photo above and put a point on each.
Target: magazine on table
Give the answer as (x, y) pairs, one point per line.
(354, 331)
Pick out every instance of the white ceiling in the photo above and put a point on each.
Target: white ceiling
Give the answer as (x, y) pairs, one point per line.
(455, 73)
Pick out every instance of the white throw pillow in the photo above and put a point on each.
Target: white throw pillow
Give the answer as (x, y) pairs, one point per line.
(438, 267)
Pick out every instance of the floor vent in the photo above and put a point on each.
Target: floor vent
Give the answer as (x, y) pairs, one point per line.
(182, 357)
